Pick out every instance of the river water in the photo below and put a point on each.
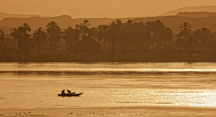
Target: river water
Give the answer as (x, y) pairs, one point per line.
(36, 85)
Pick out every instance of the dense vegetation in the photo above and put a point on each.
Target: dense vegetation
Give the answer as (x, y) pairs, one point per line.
(129, 41)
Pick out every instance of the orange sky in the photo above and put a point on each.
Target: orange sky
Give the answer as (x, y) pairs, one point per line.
(97, 8)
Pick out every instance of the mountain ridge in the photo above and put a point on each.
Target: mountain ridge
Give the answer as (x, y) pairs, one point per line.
(211, 8)
(206, 19)
(64, 21)
(4, 15)
(196, 14)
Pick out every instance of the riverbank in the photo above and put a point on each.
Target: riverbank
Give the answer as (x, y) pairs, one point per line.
(135, 58)
(162, 111)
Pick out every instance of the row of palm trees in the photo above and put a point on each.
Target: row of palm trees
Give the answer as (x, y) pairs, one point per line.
(202, 35)
(195, 39)
(117, 37)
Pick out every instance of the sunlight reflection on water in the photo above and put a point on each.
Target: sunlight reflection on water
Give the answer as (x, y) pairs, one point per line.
(103, 66)
(30, 90)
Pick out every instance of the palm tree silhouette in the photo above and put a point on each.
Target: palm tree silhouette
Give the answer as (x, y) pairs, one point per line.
(40, 38)
(115, 32)
(84, 27)
(54, 32)
(2, 35)
(202, 35)
(71, 36)
(102, 35)
(22, 35)
(158, 33)
(185, 30)
(2, 40)
(185, 34)
(185, 37)
(184, 26)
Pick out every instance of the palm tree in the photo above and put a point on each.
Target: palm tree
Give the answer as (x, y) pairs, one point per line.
(202, 35)
(2, 40)
(54, 32)
(102, 32)
(2, 35)
(158, 33)
(52, 26)
(84, 27)
(22, 35)
(185, 37)
(115, 32)
(40, 38)
(167, 35)
(185, 30)
(206, 34)
(93, 33)
(138, 35)
(112, 32)
(126, 31)
(71, 36)
(185, 26)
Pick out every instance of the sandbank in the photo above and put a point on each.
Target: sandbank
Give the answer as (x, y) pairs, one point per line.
(144, 111)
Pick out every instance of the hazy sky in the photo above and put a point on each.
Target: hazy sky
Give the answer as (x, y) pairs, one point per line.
(97, 8)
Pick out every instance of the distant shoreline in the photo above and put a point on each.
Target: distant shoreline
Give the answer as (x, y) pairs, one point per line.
(110, 111)
(153, 58)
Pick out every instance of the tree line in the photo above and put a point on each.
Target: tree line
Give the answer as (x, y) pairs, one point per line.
(116, 38)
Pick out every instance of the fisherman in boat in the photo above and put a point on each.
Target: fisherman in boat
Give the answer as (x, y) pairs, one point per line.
(63, 92)
(69, 92)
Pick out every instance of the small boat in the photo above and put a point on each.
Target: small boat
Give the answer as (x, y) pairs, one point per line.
(70, 95)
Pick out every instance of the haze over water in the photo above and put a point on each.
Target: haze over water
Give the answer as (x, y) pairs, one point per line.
(33, 85)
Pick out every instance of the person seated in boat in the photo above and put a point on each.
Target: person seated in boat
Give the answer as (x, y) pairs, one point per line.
(63, 92)
(69, 92)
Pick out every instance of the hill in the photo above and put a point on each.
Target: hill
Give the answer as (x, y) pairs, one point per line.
(4, 15)
(36, 22)
(64, 21)
(191, 9)
(173, 22)
(196, 14)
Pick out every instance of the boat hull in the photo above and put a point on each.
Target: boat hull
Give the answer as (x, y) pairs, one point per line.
(70, 95)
